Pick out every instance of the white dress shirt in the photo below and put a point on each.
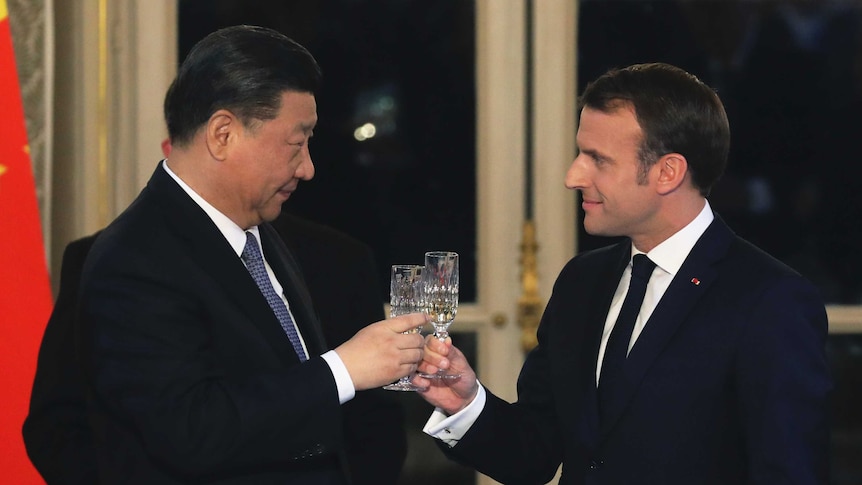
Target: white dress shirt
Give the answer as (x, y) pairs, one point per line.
(236, 237)
(669, 256)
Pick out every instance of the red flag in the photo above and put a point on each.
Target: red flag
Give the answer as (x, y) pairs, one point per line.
(25, 291)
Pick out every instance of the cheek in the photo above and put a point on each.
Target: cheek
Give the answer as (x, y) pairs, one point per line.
(281, 158)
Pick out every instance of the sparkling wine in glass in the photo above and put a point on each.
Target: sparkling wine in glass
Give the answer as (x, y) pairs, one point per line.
(405, 296)
(440, 282)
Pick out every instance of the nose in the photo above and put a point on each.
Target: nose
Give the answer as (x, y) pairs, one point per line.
(576, 175)
(305, 170)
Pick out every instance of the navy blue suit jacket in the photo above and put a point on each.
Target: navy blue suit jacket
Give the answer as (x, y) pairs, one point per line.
(727, 384)
(191, 378)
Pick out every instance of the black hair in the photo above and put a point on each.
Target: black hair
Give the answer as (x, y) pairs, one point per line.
(677, 113)
(244, 69)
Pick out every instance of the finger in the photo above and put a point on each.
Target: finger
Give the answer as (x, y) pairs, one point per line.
(404, 323)
(409, 342)
(421, 381)
(427, 368)
(436, 345)
(432, 356)
(411, 357)
(435, 360)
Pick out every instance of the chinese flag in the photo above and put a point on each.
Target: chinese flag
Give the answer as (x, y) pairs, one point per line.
(25, 292)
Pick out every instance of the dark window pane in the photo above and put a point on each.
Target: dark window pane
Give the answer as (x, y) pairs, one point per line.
(845, 356)
(790, 75)
(405, 66)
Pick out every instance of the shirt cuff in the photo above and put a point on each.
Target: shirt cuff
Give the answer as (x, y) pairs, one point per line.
(450, 429)
(343, 382)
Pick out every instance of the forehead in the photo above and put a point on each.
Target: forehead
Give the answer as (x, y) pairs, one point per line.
(298, 112)
(609, 130)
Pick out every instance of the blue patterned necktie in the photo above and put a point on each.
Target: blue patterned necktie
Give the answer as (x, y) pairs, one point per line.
(254, 262)
(617, 348)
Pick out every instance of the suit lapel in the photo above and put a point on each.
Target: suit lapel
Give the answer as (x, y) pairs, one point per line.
(592, 296)
(206, 245)
(677, 302)
(287, 271)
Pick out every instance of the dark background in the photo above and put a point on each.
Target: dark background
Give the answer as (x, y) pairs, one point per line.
(789, 73)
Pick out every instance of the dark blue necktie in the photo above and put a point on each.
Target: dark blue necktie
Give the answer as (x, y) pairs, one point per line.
(254, 262)
(617, 348)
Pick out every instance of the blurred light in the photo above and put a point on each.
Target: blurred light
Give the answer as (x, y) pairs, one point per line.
(364, 132)
(383, 106)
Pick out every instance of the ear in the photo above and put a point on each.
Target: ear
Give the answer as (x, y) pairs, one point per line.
(221, 132)
(672, 171)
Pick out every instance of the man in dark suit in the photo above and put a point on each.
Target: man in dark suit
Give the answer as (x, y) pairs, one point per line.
(717, 375)
(202, 355)
(56, 432)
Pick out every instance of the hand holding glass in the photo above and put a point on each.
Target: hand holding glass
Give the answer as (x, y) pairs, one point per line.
(405, 296)
(440, 282)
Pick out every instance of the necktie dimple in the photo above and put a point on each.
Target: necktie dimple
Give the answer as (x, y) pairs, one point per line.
(254, 262)
(617, 348)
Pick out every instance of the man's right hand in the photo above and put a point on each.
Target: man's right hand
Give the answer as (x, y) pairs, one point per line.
(450, 395)
(382, 353)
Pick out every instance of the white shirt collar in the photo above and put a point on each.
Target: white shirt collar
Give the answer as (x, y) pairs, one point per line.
(671, 253)
(234, 234)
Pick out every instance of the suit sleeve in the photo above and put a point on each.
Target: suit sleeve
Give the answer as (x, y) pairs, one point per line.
(374, 434)
(56, 432)
(520, 443)
(375, 440)
(784, 384)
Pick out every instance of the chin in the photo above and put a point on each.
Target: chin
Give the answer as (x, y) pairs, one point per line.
(271, 214)
(597, 230)
(591, 229)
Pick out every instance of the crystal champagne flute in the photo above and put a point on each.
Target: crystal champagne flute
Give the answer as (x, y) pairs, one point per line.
(405, 296)
(440, 282)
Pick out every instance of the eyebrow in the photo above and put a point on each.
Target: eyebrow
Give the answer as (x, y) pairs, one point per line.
(308, 127)
(593, 153)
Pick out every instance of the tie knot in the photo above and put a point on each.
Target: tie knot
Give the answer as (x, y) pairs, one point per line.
(250, 252)
(642, 266)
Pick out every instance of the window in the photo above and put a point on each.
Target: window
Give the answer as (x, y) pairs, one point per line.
(395, 143)
(790, 75)
(394, 147)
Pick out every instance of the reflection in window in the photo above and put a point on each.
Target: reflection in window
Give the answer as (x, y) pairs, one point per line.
(790, 75)
(394, 147)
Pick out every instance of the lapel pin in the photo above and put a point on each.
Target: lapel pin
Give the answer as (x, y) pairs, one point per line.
(695, 281)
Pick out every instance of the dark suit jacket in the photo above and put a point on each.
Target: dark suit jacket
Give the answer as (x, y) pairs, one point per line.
(342, 279)
(56, 432)
(727, 384)
(190, 377)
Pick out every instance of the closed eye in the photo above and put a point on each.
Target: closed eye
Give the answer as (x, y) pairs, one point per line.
(302, 143)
